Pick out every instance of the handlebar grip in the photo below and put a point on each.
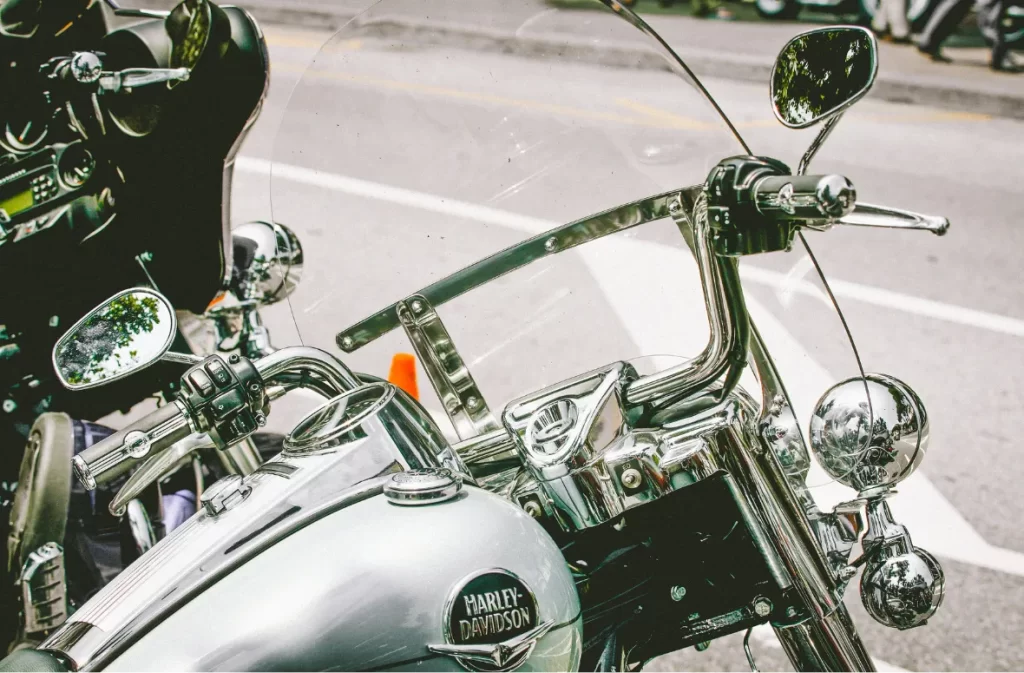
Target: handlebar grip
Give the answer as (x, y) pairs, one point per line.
(119, 452)
(804, 197)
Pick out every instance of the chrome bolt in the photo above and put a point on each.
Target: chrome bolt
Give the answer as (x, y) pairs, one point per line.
(551, 244)
(762, 607)
(417, 306)
(533, 508)
(791, 612)
(472, 403)
(10, 405)
(631, 478)
(255, 387)
(700, 647)
(261, 420)
(674, 207)
(678, 592)
(346, 342)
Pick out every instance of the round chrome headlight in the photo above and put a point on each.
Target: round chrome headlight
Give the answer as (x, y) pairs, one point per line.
(872, 446)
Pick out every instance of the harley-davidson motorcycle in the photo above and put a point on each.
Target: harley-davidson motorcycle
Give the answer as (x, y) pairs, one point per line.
(569, 497)
(110, 115)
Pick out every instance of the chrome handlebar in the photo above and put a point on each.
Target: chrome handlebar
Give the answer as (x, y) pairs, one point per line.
(161, 439)
(124, 449)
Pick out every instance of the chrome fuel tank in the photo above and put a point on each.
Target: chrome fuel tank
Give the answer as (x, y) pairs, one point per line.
(371, 587)
(338, 555)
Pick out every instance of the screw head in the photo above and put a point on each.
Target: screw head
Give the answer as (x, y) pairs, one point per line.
(346, 342)
(762, 607)
(472, 403)
(674, 206)
(551, 244)
(417, 306)
(10, 405)
(631, 478)
(678, 592)
(846, 573)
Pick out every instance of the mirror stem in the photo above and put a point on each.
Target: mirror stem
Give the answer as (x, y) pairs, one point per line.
(826, 129)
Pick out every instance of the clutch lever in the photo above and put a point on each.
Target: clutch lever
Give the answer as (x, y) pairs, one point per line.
(869, 215)
(155, 467)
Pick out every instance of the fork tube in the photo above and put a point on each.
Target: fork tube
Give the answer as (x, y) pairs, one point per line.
(827, 640)
(829, 643)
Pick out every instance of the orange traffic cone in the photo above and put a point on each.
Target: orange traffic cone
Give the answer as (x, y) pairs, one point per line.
(403, 374)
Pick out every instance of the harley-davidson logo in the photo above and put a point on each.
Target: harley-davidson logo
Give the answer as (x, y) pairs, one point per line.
(491, 622)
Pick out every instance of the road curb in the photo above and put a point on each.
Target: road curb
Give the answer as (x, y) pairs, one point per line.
(738, 67)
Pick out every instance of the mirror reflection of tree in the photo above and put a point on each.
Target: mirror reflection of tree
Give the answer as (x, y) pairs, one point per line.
(818, 72)
(102, 345)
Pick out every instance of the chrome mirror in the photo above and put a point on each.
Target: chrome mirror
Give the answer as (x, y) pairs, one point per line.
(126, 333)
(820, 73)
(268, 262)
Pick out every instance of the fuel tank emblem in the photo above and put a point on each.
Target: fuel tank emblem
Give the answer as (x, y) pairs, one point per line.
(491, 622)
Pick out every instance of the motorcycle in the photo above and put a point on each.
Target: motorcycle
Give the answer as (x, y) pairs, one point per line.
(566, 499)
(101, 91)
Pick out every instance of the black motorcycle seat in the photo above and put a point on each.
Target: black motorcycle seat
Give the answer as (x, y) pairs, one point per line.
(32, 660)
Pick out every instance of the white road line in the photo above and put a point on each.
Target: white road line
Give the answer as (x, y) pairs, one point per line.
(932, 520)
(897, 301)
(867, 294)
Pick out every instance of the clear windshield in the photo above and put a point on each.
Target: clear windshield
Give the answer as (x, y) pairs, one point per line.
(425, 137)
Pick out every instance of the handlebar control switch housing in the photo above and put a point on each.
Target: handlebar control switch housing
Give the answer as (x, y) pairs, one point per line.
(225, 398)
(756, 205)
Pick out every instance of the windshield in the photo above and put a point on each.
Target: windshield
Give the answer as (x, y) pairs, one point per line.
(424, 138)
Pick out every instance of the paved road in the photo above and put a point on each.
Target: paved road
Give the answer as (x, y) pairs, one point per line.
(945, 314)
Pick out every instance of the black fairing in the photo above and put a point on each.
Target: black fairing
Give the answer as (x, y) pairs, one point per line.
(171, 201)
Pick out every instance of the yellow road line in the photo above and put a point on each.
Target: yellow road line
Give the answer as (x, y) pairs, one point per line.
(459, 94)
(644, 115)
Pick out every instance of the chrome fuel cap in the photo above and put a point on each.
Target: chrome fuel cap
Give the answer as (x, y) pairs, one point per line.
(224, 494)
(422, 487)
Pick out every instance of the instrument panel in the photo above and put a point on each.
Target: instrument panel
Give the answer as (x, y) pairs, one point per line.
(36, 191)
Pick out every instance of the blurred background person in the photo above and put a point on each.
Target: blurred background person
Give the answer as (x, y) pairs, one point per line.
(890, 21)
(949, 13)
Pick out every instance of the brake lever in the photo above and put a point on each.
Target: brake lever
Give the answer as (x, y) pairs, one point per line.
(869, 215)
(126, 80)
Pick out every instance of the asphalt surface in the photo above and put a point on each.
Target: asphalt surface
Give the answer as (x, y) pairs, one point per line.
(904, 293)
(944, 314)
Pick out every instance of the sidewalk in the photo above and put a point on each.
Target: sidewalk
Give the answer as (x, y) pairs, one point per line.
(737, 50)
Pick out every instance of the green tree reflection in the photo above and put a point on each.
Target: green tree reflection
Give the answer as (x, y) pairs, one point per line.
(820, 71)
(104, 344)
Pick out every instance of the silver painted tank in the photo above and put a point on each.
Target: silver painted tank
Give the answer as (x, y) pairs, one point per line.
(369, 587)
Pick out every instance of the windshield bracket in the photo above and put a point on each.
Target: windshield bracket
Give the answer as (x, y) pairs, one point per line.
(445, 368)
